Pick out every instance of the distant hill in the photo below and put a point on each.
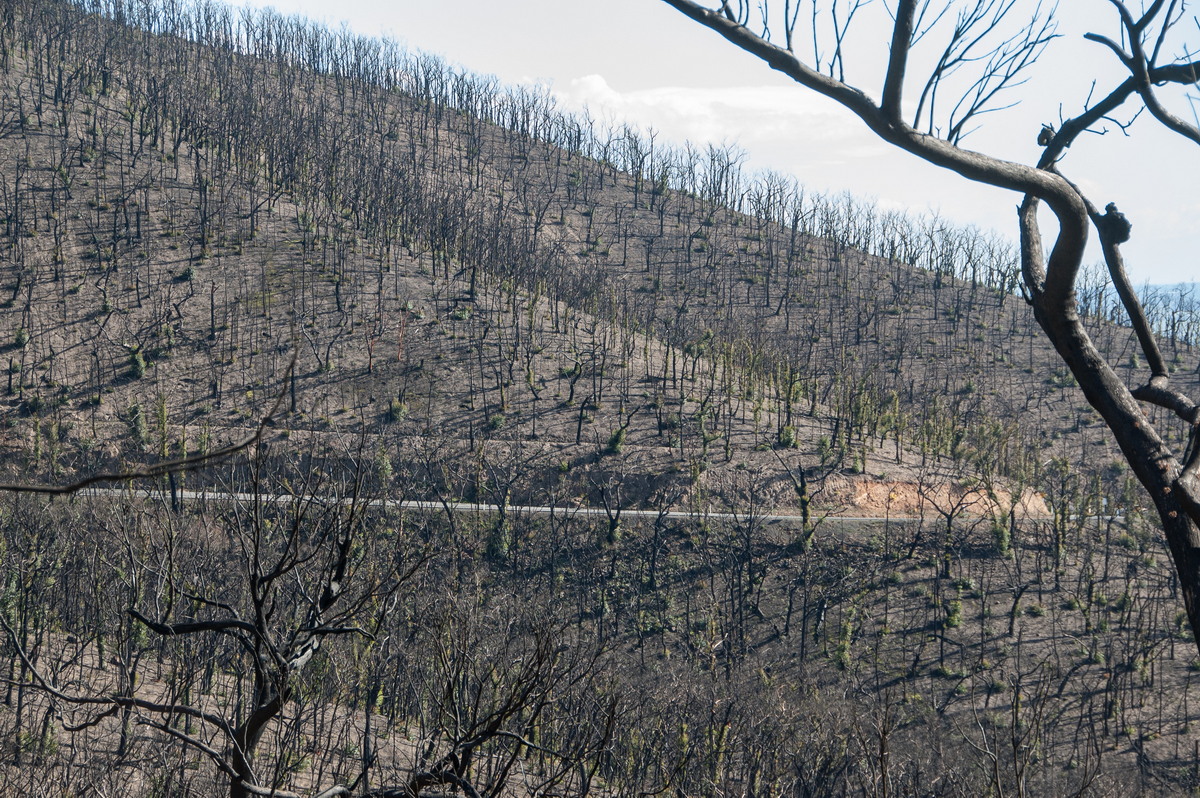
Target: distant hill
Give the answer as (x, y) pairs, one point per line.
(449, 256)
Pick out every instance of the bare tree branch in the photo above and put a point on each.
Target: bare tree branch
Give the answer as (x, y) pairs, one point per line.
(189, 740)
(174, 629)
(1141, 66)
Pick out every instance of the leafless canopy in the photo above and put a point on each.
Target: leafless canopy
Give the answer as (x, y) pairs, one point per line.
(954, 62)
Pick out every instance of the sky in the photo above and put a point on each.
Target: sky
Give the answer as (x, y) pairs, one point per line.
(642, 62)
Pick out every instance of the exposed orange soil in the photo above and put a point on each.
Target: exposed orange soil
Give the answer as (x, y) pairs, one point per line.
(865, 496)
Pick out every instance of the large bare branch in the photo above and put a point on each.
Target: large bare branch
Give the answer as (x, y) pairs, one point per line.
(190, 740)
(191, 627)
(45, 685)
(902, 36)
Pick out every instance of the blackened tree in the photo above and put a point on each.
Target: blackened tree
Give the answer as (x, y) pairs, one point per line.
(997, 43)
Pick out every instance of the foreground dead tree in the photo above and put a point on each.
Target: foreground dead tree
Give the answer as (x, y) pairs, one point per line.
(298, 574)
(302, 567)
(995, 41)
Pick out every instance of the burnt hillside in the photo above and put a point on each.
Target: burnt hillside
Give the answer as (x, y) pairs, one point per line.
(194, 211)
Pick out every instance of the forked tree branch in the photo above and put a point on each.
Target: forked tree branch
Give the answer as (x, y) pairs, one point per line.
(189, 740)
(1142, 67)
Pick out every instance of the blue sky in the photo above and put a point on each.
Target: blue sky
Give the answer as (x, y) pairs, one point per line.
(643, 62)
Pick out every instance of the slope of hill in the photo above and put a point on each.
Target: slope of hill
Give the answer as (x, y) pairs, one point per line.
(169, 252)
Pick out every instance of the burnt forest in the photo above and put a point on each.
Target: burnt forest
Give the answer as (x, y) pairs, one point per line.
(371, 428)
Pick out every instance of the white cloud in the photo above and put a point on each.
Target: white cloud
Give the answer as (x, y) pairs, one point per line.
(795, 132)
(766, 119)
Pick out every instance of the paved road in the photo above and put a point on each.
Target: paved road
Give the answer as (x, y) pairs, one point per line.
(512, 509)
